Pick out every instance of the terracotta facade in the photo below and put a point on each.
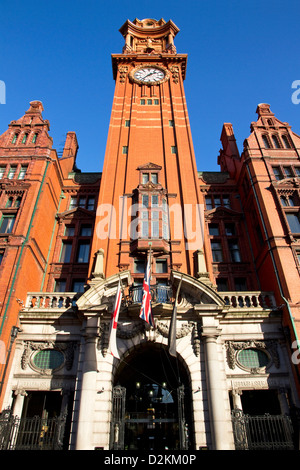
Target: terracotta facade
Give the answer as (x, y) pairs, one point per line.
(229, 239)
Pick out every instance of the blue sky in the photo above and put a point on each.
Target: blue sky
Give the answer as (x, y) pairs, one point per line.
(240, 53)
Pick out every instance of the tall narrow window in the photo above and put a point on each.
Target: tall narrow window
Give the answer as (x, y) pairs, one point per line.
(78, 285)
(60, 285)
(174, 149)
(7, 223)
(286, 142)
(14, 140)
(83, 252)
(34, 138)
(91, 203)
(277, 173)
(82, 202)
(66, 250)
(234, 251)
(24, 140)
(154, 178)
(266, 142)
(125, 149)
(145, 178)
(276, 141)
(145, 200)
(127, 122)
(12, 172)
(217, 252)
(22, 172)
(73, 202)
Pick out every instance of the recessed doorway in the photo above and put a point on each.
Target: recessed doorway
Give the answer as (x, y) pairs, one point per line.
(151, 402)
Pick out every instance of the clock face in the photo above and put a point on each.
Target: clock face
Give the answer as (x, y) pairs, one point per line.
(149, 75)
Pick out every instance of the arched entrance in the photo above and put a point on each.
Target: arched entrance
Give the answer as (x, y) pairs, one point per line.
(151, 402)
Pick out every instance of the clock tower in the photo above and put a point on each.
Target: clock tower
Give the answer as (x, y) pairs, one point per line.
(149, 196)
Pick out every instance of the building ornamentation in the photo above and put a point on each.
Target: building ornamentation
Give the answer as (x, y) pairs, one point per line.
(270, 347)
(66, 348)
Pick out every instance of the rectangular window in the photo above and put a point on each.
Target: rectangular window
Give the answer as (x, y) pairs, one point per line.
(12, 172)
(217, 252)
(166, 232)
(288, 171)
(297, 170)
(2, 171)
(145, 200)
(155, 228)
(60, 285)
(213, 229)
(240, 284)
(230, 230)
(217, 201)
(83, 252)
(293, 221)
(125, 150)
(86, 231)
(145, 178)
(222, 284)
(127, 122)
(234, 251)
(73, 202)
(154, 200)
(154, 178)
(226, 201)
(91, 203)
(173, 149)
(149, 101)
(82, 202)
(145, 229)
(78, 285)
(161, 266)
(156, 101)
(171, 123)
(66, 250)
(139, 266)
(142, 102)
(208, 203)
(7, 223)
(277, 173)
(69, 231)
(22, 173)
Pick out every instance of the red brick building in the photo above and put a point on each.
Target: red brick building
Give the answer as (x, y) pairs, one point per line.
(225, 243)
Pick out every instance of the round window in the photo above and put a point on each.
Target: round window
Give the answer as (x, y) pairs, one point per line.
(253, 358)
(48, 359)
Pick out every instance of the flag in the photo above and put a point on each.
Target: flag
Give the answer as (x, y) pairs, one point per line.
(146, 312)
(114, 323)
(172, 330)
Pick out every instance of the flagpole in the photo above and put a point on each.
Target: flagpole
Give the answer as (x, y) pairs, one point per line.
(172, 330)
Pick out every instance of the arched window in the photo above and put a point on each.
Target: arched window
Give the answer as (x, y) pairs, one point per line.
(24, 140)
(34, 138)
(266, 142)
(276, 141)
(14, 140)
(286, 142)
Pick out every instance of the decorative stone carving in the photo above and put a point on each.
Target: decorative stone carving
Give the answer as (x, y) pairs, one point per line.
(66, 348)
(123, 69)
(233, 346)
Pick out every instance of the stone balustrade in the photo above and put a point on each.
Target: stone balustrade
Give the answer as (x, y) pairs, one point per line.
(51, 300)
(248, 299)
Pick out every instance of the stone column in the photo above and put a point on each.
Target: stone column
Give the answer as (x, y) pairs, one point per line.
(19, 402)
(88, 390)
(220, 420)
(236, 397)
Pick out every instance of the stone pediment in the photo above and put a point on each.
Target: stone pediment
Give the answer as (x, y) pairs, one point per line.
(150, 166)
(222, 212)
(77, 212)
